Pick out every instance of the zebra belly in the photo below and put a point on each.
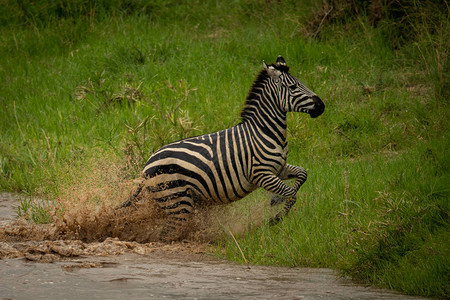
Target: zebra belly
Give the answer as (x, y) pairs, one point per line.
(204, 180)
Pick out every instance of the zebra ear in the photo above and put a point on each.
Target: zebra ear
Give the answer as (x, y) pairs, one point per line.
(273, 73)
(280, 61)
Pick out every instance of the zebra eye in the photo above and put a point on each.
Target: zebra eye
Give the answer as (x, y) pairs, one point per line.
(292, 86)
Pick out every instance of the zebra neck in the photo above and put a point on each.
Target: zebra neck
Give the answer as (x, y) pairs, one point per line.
(266, 119)
(262, 110)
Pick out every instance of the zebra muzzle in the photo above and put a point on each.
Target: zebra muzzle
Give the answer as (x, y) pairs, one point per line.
(318, 109)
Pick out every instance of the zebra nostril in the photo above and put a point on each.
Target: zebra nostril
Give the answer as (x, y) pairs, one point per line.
(319, 107)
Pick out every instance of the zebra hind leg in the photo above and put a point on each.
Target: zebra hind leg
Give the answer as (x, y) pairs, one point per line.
(174, 228)
(178, 213)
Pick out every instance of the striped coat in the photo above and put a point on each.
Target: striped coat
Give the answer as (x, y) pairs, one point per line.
(228, 165)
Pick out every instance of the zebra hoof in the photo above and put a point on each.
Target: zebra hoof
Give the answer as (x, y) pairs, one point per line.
(275, 200)
(275, 220)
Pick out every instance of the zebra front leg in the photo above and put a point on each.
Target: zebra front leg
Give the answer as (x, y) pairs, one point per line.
(290, 172)
(289, 202)
(274, 184)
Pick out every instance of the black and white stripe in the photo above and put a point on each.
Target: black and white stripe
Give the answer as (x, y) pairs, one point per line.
(227, 165)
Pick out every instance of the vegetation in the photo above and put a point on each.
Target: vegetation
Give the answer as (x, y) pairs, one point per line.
(91, 81)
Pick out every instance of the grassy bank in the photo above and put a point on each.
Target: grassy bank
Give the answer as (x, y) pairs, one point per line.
(116, 80)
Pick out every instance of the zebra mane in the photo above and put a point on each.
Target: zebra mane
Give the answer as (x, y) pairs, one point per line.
(259, 83)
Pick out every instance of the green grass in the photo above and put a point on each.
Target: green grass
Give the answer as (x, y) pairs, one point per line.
(114, 82)
(38, 212)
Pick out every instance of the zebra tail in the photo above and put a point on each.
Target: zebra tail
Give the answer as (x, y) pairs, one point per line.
(132, 199)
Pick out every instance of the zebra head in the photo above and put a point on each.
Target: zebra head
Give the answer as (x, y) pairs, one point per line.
(294, 95)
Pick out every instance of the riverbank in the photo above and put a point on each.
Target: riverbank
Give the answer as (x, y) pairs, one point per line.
(114, 269)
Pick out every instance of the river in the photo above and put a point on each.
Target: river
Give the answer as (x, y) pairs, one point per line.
(114, 269)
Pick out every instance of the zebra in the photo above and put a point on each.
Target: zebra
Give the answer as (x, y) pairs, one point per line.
(227, 165)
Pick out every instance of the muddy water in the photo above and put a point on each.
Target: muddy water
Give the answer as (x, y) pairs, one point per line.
(114, 269)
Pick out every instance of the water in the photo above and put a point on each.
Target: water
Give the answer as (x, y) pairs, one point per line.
(115, 269)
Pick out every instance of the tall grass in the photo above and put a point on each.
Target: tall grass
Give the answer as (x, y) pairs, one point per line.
(114, 80)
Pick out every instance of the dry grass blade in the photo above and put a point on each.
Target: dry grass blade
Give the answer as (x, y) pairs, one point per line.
(237, 244)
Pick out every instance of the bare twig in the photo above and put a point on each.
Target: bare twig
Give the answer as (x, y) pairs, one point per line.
(319, 28)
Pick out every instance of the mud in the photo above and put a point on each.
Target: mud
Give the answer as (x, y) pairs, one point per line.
(83, 231)
(68, 260)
